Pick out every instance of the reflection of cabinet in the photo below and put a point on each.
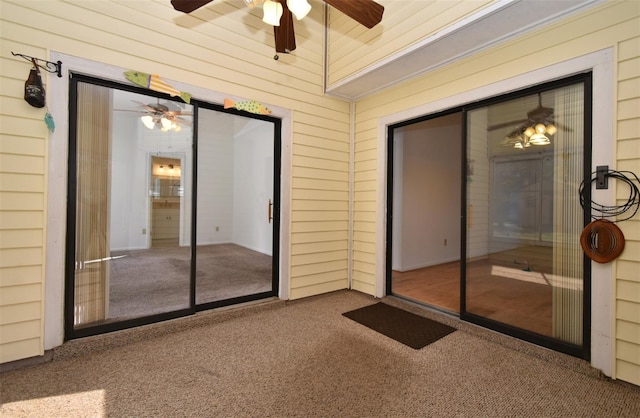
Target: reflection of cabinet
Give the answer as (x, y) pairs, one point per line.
(166, 220)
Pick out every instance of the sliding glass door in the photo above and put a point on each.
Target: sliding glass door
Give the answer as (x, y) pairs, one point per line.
(135, 253)
(490, 230)
(236, 212)
(525, 270)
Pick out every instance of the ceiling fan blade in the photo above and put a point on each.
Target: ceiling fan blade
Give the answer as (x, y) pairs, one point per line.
(284, 34)
(365, 12)
(146, 107)
(188, 6)
(506, 124)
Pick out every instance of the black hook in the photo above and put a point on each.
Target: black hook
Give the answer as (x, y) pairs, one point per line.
(49, 66)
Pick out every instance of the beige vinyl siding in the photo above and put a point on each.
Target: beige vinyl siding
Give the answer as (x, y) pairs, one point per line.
(22, 206)
(628, 266)
(352, 47)
(224, 47)
(615, 25)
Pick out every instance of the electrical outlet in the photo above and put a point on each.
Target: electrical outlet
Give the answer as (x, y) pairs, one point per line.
(217, 228)
(144, 231)
(445, 242)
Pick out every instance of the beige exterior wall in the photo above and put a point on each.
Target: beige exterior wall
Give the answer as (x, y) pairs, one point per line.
(225, 48)
(628, 267)
(613, 25)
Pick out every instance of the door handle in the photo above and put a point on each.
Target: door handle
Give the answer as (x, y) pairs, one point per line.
(269, 211)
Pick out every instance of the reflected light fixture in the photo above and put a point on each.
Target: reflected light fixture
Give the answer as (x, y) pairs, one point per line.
(272, 12)
(299, 8)
(165, 124)
(148, 121)
(537, 134)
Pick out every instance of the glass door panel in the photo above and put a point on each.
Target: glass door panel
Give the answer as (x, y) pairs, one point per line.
(426, 174)
(129, 200)
(235, 236)
(524, 266)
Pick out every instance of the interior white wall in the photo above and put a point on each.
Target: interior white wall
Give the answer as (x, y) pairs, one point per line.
(253, 187)
(215, 179)
(428, 204)
(129, 196)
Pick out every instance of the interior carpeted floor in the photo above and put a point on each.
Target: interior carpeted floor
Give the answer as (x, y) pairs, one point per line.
(305, 359)
(147, 282)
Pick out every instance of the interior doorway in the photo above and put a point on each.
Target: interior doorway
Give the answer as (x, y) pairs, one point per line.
(426, 211)
(166, 195)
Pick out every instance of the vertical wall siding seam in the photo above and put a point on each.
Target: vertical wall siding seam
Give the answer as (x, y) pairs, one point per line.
(352, 167)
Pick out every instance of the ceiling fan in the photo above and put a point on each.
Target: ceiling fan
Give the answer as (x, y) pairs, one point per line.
(366, 12)
(159, 115)
(535, 129)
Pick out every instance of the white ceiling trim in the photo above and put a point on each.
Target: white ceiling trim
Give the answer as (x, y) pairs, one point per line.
(492, 25)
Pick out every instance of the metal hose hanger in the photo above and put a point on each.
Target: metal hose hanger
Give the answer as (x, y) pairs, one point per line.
(602, 240)
(631, 205)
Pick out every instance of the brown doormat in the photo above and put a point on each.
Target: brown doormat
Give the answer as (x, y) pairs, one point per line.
(408, 328)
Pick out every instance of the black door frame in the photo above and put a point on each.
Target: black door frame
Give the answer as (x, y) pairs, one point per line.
(582, 351)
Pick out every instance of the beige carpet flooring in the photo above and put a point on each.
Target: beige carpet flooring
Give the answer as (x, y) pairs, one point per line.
(304, 359)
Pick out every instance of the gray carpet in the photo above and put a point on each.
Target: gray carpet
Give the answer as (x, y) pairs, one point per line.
(305, 359)
(147, 282)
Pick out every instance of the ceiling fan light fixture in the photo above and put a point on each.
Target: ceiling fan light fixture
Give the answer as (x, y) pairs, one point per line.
(539, 139)
(299, 8)
(166, 124)
(529, 131)
(272, 12)
(147, 121)
(551, 129)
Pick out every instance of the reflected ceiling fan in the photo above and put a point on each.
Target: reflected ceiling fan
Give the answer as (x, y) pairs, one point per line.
(534, 130)
(162, 117)
(366, 12)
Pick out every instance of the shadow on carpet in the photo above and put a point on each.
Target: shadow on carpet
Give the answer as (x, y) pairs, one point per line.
(408, 328)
